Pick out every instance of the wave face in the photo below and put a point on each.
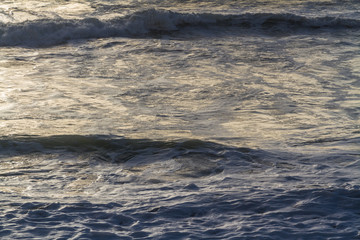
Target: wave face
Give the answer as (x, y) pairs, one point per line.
(115, 149)
(155, 23)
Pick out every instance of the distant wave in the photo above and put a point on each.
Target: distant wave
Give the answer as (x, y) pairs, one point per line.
(151, 23)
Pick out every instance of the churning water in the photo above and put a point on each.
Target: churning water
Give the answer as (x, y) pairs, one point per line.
(180, 119)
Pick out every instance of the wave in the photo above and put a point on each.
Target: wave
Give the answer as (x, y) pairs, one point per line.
(186, 158)
(109, 145)
(155, 23)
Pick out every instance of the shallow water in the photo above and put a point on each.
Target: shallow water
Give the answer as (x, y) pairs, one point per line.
(180, 119)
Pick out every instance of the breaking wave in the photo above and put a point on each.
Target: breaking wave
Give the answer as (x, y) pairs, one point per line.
(151, 23)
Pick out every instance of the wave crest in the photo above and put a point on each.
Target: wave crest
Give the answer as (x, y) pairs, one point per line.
(152, 22)
(187, 158)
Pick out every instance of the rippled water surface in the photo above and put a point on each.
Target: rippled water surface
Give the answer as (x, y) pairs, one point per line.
(180, 119)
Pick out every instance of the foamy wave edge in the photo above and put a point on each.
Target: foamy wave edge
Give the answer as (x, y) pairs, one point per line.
(152, 22)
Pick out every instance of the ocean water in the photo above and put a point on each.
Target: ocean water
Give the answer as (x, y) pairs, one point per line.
(179, 119)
